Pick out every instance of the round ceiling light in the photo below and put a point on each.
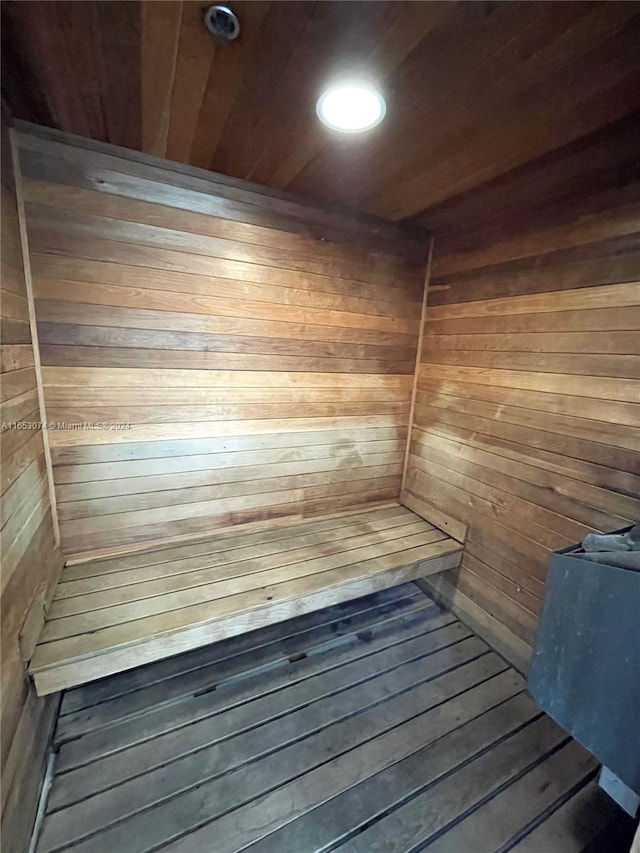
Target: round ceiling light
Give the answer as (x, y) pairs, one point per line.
(351, 107)
(222, 23)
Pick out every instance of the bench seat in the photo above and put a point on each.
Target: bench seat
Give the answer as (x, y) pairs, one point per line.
(110, 615)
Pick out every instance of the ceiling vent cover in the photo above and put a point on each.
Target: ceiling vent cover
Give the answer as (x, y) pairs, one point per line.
(222, 22)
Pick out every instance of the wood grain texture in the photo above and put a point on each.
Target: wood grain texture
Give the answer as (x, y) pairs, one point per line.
(279, 337)
(527, 421)
(374, 725)
(474, 90)
(30, 560)
(114, 614)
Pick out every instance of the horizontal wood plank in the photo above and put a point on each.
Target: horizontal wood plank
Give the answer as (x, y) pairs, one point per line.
(177, 307)
(376, 723)
(145, 604)
(527, 416)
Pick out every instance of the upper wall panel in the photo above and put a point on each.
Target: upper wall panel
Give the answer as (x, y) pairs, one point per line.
(526, 422)
(474, 90)
(212, 355)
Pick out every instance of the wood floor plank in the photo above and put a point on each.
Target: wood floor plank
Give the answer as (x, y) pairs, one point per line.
(202, 800)
(188, 697)
(430, 813)
(491, 827)
(234, 831)
(328, 823)
(225, 755)
(378, 725)
(247, 708)
(573, 825)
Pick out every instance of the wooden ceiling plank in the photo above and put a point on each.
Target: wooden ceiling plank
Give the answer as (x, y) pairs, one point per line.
(609, 158)
(77, 23)
(603, 105)
(119, 36)
(539, 101)
(37, 38)
(160, 35)
(474, 92)
(424, 93)
(229, 65)
(468, 95)
(283, 29)
(196, 51)
(21, 87)
(337, 43)
(396, 43)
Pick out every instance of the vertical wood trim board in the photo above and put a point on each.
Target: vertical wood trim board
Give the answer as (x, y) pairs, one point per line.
(212, 355)
(412, 407)
(526, 418)
(34, 334)
(31, 562)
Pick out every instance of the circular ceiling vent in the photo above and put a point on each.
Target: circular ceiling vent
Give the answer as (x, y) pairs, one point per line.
(222, 22)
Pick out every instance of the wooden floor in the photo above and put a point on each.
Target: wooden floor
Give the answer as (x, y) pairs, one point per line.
(380, 724)
(113, 614)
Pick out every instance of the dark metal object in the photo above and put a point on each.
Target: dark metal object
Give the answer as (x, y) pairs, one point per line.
(222, 23)
(585, 670)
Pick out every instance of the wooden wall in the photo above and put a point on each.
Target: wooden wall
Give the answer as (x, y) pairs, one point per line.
(30, 560)
(526, 419)
(262, 351)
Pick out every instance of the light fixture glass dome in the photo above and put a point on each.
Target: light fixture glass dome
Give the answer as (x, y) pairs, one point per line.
(351, 107)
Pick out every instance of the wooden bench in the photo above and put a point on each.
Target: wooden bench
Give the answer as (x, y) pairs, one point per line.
(114, 614)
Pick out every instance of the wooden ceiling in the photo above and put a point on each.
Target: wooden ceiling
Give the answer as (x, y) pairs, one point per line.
(474, 89)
